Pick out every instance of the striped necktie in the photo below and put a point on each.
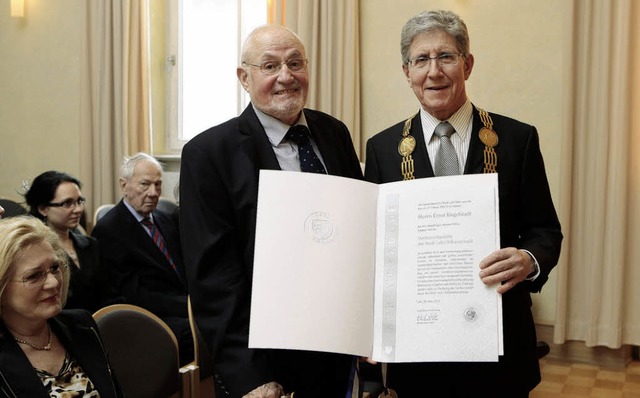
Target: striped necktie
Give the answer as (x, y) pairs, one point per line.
(158, 240)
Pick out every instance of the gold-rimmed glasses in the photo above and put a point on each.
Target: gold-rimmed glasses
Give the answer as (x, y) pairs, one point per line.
(36, 278)
(442, 60)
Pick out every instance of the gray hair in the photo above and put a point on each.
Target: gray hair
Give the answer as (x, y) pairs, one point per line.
(428, 21)
(129, 164)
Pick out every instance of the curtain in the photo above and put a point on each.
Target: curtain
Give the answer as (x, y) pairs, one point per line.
(330, 32)
(597, 294)
(114, 118)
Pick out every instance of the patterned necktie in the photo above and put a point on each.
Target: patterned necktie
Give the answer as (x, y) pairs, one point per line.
(158, 240)
(309, 161)
(446, 162)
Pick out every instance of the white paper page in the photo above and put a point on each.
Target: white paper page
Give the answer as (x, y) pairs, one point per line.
(430, 302)
(314, 263)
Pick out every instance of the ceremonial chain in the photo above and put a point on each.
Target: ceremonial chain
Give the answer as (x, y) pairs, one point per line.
(405, 147)
(488, 137)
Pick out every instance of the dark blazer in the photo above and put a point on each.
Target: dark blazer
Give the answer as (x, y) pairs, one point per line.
(87, 284)
(78, 333)
(218, 195)
(141, 274)
(528, 221)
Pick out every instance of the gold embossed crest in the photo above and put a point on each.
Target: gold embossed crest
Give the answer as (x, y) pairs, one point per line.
(488, 137)
(407, 145)
(405, 148)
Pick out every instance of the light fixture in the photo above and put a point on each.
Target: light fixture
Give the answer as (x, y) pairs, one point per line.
(17, 8)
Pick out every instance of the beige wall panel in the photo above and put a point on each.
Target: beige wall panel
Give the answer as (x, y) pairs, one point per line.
(39, 76)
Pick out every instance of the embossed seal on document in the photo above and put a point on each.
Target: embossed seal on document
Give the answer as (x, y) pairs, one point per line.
(319, 226)
(470, 314)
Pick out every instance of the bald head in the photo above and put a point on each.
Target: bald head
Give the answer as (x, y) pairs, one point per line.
(266, 36)
(265, 74)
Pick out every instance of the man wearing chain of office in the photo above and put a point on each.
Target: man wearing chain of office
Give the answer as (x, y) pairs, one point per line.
(449, 135)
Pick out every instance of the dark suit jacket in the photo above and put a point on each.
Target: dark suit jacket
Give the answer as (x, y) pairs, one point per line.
(218, 197)
(88, 283)
(141, 274)
(528, 221)
(79, 334)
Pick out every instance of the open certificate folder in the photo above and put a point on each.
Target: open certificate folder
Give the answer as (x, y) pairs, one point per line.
(384, 271)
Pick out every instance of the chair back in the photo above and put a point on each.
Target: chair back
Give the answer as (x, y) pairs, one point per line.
(12, 208)
(101, 211)
(142, 349)
(167, 205)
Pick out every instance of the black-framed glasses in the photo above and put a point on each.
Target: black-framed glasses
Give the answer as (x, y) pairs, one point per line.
(442, 60)
(37, 278)
(274, 67)
(69, 203)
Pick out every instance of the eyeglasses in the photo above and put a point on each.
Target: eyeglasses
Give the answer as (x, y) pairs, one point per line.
(37, 278)
(442, 60)
(69, 203)
(273, 67)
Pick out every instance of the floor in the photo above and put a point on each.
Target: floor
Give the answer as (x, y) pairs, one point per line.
(565, 380)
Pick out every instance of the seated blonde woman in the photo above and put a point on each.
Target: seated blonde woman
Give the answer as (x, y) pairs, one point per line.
(44, 351)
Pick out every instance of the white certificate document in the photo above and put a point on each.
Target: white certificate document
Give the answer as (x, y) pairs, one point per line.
(385, 271)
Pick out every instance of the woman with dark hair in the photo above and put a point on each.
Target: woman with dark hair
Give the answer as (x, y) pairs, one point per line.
(55, 198)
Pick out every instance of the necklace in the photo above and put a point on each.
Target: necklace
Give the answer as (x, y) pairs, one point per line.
(46, 347)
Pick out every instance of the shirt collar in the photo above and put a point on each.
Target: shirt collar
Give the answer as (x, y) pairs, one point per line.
(461, 121)
(135, 214)
(276, 129)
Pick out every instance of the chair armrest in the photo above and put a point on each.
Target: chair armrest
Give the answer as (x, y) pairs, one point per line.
(190, 381)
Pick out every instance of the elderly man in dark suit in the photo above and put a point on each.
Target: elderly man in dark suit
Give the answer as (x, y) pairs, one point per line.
(140, 247)
(436, 62)
(218, 193)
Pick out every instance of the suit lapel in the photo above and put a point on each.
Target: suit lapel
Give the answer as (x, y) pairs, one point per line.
(420, 155)
(83, 336)
(171, 239)
(16, 369)
(139, 236)
(81, 242)
(143, 242)
(254, 143)
(475, 156)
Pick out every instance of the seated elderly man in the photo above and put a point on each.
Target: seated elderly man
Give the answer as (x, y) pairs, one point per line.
(140, 248)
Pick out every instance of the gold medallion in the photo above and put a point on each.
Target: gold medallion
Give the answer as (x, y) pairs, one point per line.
(488, 137)
(388, 393)
(407, 145)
